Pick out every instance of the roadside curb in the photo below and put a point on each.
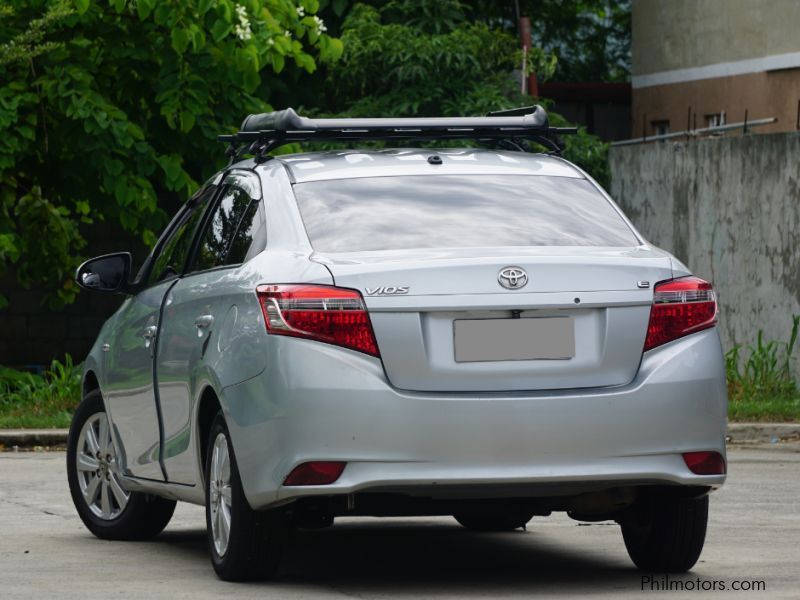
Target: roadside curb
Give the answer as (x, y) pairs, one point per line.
(28, 438)
(738, 433)
(759, 433)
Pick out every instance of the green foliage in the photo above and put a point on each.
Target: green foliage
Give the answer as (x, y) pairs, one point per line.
(769, 410)
(47, 400)
(585, 150)
(425, 58)
(591, 38)
(393, 67)
(765, 371)
(109, 111)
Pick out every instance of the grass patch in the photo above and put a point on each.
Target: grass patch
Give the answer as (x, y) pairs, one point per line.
(767, 410)
(761, 386)
(45, 401)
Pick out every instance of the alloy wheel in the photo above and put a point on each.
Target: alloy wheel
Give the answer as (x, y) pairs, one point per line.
(220, 494)
(97, 468)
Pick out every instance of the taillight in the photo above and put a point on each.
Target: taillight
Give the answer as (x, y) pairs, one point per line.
(680, 307)
(705, 463)
(318, 312)
(319, 472)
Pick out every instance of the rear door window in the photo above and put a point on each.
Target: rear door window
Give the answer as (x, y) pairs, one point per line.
(449, 211)
(249, 237)
(230, 232)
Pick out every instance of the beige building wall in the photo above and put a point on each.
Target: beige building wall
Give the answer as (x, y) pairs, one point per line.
(706, 57)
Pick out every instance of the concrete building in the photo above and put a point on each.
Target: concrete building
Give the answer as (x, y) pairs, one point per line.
(698, 63)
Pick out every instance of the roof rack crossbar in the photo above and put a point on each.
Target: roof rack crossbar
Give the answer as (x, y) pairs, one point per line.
(265, 132)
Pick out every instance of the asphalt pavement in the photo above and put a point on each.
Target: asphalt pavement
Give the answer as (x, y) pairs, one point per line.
(753, 542)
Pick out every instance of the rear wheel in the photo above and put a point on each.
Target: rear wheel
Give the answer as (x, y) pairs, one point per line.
(494, 522)
(104, 505)
(245, 545)
(666, 533)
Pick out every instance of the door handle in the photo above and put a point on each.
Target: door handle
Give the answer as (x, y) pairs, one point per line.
(203, 322)
(149, 334)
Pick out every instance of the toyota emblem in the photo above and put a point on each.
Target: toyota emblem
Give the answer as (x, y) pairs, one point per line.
(512, 278)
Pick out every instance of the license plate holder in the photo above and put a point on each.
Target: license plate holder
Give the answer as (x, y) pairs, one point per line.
(533, 338)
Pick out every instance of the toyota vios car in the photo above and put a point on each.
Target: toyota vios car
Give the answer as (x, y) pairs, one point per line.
(470, 332)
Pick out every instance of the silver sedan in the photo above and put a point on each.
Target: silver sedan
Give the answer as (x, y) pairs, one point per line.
(466, 332)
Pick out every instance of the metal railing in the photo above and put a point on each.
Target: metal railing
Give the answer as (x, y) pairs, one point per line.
(745, 125)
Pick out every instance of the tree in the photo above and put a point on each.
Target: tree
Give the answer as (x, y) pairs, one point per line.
(427, 58)
(591, 38)
(422, 57)
(109, 111)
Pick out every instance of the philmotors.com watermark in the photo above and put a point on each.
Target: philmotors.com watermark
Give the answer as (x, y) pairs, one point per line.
(665, 583)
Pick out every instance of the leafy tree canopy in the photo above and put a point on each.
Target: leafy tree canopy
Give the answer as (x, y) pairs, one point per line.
(109, 111)
(591, 38)
(429, 58)
(423, 57)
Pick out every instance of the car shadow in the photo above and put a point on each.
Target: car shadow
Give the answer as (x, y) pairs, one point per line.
(418, 557)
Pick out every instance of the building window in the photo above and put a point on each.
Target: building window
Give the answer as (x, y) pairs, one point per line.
(660, 127)
(715, 119)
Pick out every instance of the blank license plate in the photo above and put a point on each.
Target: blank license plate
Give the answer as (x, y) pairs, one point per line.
(543, 338)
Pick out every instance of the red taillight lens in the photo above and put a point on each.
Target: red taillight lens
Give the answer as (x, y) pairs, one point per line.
(680, 307)
(315, 473)
(318, 312)
(705, 463)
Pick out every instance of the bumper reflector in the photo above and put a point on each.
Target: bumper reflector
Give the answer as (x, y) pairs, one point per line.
(315, 473)
(705, 463)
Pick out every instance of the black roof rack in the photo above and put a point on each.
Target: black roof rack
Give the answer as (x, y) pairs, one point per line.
(262, 133)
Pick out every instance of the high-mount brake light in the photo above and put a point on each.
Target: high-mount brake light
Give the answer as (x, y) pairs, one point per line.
(318, 312)
(680, 307)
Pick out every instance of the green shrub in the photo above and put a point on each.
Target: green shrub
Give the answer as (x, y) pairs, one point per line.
(766, 371)
(761, 384)
(46, 400)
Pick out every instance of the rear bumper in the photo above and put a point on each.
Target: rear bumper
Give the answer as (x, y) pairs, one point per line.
(317, 402)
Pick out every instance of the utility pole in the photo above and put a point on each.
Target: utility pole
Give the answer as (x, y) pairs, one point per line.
(529, 85)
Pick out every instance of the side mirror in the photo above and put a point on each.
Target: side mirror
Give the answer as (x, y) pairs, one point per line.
(108, 274)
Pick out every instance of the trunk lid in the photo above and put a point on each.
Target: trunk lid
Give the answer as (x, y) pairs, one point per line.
(416, 297)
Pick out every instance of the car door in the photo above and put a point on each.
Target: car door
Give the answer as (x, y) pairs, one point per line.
(195, 309)
(130, 392)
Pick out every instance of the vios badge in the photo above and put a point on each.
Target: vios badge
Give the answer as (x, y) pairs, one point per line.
(387, 290)
(512, 278)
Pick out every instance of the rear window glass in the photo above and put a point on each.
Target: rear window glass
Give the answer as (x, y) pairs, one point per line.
(456, 211)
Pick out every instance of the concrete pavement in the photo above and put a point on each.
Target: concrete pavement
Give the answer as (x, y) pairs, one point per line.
(46, 552)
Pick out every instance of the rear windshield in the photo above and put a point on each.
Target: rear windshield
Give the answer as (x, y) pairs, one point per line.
(457, 211)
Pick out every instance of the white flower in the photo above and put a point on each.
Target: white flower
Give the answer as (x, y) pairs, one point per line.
(242, 30)
(301, 12)
(287, 33)
(320, 25)
(243, 33)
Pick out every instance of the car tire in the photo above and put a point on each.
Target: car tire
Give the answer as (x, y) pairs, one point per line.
(494, 522)
(245, 545)
(666, 533)
(107, 509)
